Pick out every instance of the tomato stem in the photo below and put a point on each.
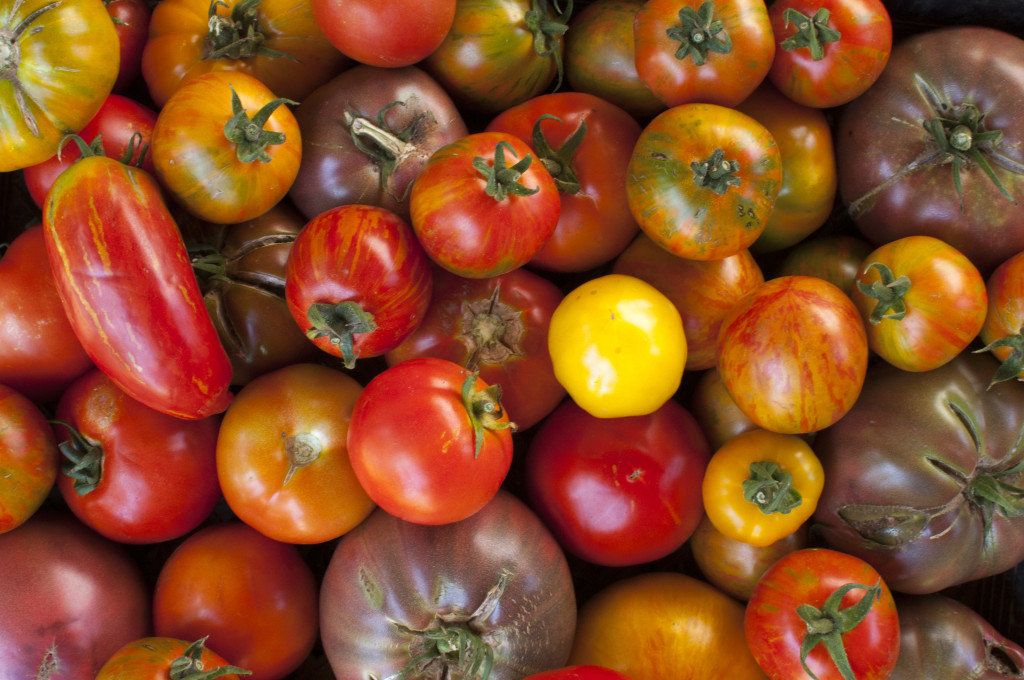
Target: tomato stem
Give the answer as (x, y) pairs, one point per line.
(699, 33)
(189, 666)
(770, 488)
(249, 136)
(491, 330)
(237, 36)
(339, 323)
(559, 161)
(547, 32)
(716, 173)
(503, 179)
(826, 626)
(83, 459)
(484, 409)
(890, 293)
(1013, 364)
(386, 146)
(812, 32)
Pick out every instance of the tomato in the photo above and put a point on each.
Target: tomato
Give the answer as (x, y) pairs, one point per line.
(828, 53)
(366, 134)
(226, 147)
(618, 346)
(282, 455)
(922, 302)
(499, 53)
(125, 128)
(793, 354)
(388, 35)
(761, 486)
(357, 281)
(133, 474)
(131, 22)
(703, 180)
(585, 143)
(696, 630)
(49, 90)
(833, 257)
(719, 416)
(581, 672)
(39, 352)
(618, 491)
(600, 56)
(484, 205)
(488, 596)
(254, 597)
(28, 468)
(104, 222)
(820, 613)
(71, 599)
(703, 291)
(277, 41)
(809, 181)
(159, 658)
(1004, 320)
(497, 326)
(424, 427)
(714, 51)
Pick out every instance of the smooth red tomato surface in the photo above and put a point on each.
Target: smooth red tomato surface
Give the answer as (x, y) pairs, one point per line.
(582, 672)
(387, 34)
(618, 491)
(30, 461)
(131, 21)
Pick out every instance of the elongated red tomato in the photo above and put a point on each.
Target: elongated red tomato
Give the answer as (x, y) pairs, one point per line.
(127, 284)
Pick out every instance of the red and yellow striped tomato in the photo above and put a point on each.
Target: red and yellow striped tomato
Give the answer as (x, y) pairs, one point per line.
(1003, 330)
(59, 61)
(28, 466)
(152, 658)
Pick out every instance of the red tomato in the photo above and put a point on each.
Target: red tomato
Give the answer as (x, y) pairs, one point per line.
(160, 658)
(134, 474)
(828, 52)
(357, 281)
(585, 143)
(499, 327)
(823, 614)
(123, 125)
(387, 34)
(28, 466)
(430, 441)
(484, 205)
(702, 51)
(253, 596)
(131, 22)
(578, 673)
(40, 355)
(618, 491)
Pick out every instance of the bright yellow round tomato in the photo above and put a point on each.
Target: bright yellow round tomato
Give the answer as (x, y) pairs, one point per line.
(618, 347)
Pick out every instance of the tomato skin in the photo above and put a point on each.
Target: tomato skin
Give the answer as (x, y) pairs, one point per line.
(1005, 316)
(363, 255)
(255, 597)
(848, 66)
(151, 658)
(154, 337)
(390, 35)
(30, 462)
(775, 630)
(268, 477)
(618, 491)
(716, 411)
(62, 88)
(469, 232)
(411, 441)
(833, 257)
(581, 672)
(594, 223)
(158, 472)
(511, 351)
(32, 309)
(703, 220)
(202, 168)
(726, 78)
(131, 22)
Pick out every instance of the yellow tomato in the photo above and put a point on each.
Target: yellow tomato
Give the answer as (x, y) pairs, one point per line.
(618, 347)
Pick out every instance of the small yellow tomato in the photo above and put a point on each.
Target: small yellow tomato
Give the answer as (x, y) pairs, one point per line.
(618, 347)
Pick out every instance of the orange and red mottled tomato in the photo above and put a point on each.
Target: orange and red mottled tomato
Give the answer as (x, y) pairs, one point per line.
(227, 147)
(922, 301)
(824, 614)
(277, 41)
(49, 90)
(133, 474)
(30, 462)
(703, 180)
(828, 52)
(484, 205)
(429, 441)
(128, 287)
(357, 281)
(713, 51)
(159, 658)
(1003, 330)
(793, 354)
(585, 143)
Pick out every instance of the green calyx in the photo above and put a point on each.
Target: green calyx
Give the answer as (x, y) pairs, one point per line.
(386, 146)
(339, 323)
(812, 32)
(95, 148)
(83, 459)
(826, 626)
(503, 179)
(989, 492)
(484, 409)
(559, 161)
(237, 36)
(716, 173)
(547, 31)
(890, 293)
(189, 666)
(248, 136)
(491, 330)
(699, 33)
(1013, 364)
(770, 488)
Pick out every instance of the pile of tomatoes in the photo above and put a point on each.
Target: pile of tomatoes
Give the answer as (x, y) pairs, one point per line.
(608, 340)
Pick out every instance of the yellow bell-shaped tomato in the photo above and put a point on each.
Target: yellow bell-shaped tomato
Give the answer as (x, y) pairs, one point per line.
(618, 347)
